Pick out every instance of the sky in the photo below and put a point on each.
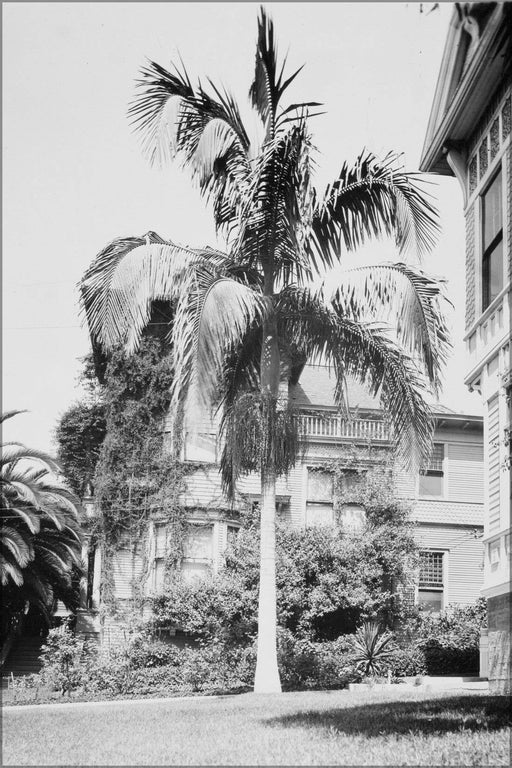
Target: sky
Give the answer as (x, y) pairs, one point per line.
(74, 176)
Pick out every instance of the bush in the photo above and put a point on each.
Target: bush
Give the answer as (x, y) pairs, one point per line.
(144, 651)
(450, 640)
(407, 662)
(304, 664)
(65, 660)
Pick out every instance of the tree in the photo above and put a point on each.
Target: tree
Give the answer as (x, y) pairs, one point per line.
(246, 319)
(40, 537)
(79, 436)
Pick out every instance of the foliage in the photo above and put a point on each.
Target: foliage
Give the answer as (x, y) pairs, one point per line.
(241, 321)
(450, 640)
(66, 658)
(135, 475)
(372, 649)
(408, 661)
(40, 536)
(312, 665)
(327, 581)
(79, 435)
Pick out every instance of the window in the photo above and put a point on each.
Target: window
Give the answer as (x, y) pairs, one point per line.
(197, 551)
(431, 581)
(352, 516)
(494, 554)
(432, 475)
(91, 557)
(160, 534)
(320, 496)
(232, 534)
(282, 505)
(492, 242)
(200, 446)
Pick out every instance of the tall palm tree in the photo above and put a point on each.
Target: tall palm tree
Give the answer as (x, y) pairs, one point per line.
(245, 319)
(40, 537)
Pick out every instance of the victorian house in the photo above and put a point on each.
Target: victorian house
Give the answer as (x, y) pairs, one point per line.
(446, 498)
(469, 137)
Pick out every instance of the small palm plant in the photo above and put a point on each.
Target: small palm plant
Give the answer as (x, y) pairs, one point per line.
(40, 535)
(373, 649)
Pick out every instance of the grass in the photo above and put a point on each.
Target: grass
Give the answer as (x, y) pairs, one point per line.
(321, 728)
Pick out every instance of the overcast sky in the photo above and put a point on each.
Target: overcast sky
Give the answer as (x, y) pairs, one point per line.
(75, 177)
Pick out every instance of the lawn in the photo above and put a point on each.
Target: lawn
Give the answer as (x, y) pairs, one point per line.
(321, 728)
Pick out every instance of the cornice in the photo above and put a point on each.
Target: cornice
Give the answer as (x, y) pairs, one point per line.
(477, 85)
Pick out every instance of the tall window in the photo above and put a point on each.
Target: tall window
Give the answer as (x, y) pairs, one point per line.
(351, 514)
(432, 475)
(197, 551)
(492, 242)
(431, 581)
(160, 533)
(320, 498)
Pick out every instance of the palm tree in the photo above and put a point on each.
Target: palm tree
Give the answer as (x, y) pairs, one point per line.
(246, 319)
(40, 537)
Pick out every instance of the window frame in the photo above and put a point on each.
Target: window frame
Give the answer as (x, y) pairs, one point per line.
(318, 503)
(487, 252)
(429, 472)
(441, 588)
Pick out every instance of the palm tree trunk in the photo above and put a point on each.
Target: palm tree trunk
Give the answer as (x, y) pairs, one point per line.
(267, 673)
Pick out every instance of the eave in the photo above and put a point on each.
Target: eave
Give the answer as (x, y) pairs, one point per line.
(485, 73)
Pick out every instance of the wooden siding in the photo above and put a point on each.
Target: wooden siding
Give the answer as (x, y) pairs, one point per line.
(464, 559)
(448, 512)
(127, 565)
(493, 453)
(464, 468)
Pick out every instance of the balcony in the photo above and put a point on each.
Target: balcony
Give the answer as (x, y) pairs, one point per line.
(333, 427)
(490, 331)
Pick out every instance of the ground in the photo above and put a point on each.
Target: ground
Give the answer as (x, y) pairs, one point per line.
(320, 728)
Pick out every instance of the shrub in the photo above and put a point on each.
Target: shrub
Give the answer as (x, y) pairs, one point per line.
(65, 660)
(450, 640)
(407, 662)
(372, 649)
(304, 664)
(144, 651)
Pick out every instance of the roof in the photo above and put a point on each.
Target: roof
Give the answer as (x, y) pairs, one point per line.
(316, 388)
(475, 62)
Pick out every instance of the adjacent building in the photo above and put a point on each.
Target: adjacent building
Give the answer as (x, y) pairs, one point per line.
(469, 137)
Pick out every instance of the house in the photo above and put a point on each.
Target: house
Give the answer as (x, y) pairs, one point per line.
(447, 499)
(469, 137)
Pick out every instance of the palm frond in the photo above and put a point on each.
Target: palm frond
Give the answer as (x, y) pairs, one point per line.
(127, 276)
(176, 118)
(13, 452)
(268, 85)
(155, 110)
(409, 301)
(9, 414)
(258, 434)
(365, 352)
(210, 322)
(369, 200)
(275, 211)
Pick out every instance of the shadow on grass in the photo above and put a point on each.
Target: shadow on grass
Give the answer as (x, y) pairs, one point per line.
(446, 715)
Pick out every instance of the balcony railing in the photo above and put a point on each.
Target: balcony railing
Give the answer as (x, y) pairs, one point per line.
(490, 330)
(331, 427)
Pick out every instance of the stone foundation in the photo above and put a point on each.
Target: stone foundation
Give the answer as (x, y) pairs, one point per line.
(498, 616)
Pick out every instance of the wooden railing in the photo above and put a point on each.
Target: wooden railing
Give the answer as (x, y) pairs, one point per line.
(333, 426)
